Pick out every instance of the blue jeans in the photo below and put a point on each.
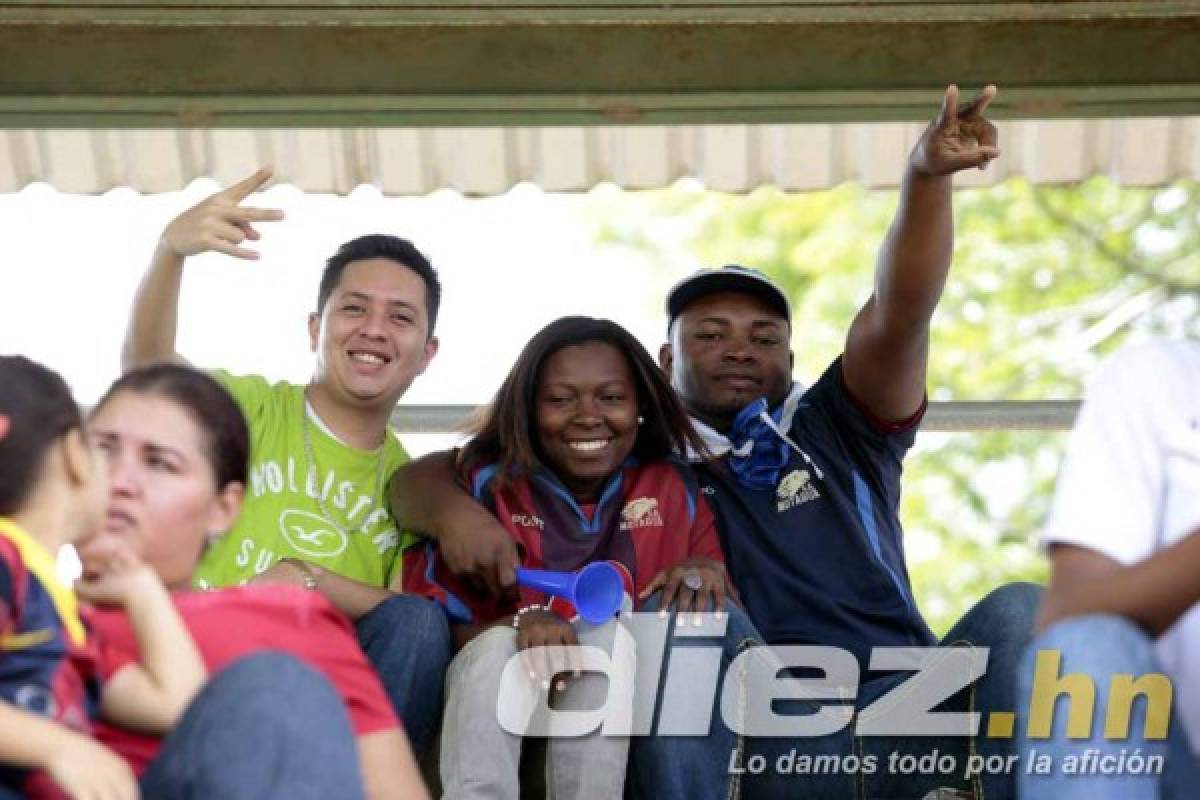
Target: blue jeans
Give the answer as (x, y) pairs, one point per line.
(1102, 646)
(700, 767)
(266, 726)
(407, 641)
(690, 766)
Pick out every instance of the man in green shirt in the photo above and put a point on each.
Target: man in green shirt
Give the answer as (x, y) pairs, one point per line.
(316, 510)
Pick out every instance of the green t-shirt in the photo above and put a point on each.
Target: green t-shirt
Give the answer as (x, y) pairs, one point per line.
(354, 536)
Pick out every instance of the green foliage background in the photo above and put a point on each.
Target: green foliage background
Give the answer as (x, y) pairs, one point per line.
(1045, 282)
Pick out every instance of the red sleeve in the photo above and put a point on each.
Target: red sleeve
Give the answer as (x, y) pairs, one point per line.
(881, 425)
(111, 639)
(337, 654)
(425, 574)
(367, 703)
(298, 622)
(234, 623)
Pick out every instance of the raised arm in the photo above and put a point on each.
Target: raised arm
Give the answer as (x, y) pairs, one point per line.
(218, 223)
(426, 496)
(152, 695)
(887, 347)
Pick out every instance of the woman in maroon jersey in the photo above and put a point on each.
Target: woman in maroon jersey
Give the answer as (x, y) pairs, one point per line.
(575, 457)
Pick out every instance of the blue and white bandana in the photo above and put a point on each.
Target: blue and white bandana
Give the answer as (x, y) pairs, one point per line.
(757, 443)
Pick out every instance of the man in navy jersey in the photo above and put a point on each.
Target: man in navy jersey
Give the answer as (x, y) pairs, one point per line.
(807, 489)
(806, 495)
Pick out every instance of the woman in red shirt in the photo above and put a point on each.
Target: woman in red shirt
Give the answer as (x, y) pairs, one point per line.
(177, 450)
(53, 493)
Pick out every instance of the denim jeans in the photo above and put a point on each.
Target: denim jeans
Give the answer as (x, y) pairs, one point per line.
(1102, 646)
(715, 766)
(690, 766)
(407, 641)
(266, 726)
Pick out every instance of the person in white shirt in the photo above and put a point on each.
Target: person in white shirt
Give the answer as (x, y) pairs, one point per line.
(1124, 545)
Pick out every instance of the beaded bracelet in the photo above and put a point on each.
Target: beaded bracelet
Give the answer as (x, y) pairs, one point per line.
(516, 620)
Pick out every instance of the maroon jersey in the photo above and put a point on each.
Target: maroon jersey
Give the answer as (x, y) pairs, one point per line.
(649, 517)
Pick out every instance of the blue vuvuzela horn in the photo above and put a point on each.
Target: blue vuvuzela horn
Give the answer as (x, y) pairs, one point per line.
(595, 591)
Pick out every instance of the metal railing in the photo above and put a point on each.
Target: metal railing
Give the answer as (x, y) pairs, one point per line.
(1053, 415)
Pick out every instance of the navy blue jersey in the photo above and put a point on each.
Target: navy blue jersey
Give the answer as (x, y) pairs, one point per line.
(47, 665)
(818, 559)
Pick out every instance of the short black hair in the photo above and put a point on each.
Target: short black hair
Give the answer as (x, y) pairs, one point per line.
(382, 245)
(40, 411)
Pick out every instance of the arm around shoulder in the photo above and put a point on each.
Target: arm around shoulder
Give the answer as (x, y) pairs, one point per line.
(426, 496)
(421, 491)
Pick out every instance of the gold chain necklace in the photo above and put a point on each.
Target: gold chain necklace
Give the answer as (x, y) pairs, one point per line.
(311, 464)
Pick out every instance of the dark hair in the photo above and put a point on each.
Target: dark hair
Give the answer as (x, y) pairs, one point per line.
(505, 433)
(227, 438)
(379, 245)
(40, 411)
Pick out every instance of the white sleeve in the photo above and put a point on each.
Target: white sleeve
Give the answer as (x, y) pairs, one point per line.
(1110, 491)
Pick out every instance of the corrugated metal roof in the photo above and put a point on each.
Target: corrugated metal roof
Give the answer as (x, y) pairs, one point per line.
(487, 161)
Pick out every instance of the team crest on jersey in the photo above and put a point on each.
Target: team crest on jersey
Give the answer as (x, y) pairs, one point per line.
(795, 489)
(641, 513)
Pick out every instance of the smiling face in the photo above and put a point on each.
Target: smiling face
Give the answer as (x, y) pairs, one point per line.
(727, 350)
(586, 414)
(371, 338)
(163, 500)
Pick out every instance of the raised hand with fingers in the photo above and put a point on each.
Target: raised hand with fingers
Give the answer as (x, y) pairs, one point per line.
(221, 223)
(960, 136)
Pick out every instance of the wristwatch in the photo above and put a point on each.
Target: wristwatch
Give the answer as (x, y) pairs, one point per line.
(307, 576)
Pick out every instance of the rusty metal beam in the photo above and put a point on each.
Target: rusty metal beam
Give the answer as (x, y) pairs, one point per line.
(303, 63)
(1054, 415)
